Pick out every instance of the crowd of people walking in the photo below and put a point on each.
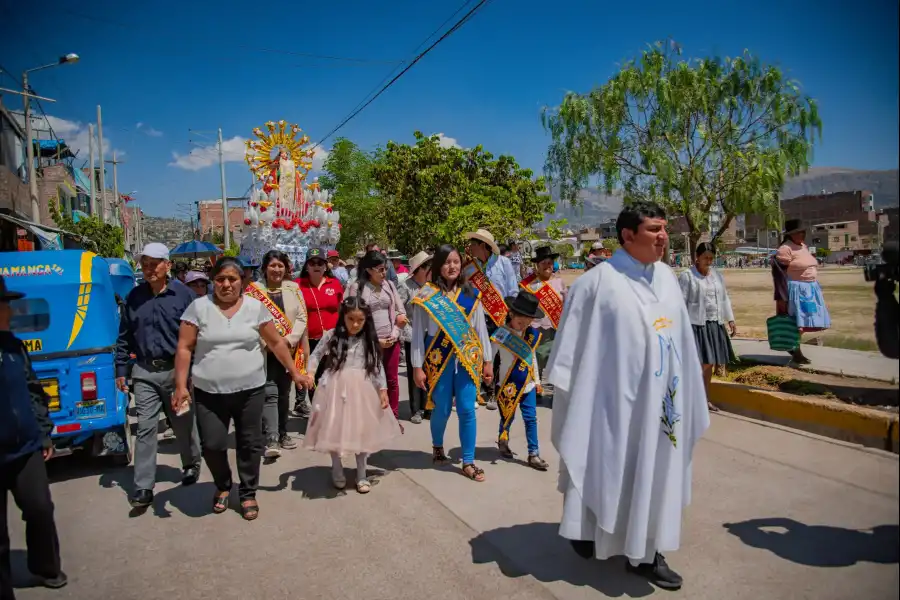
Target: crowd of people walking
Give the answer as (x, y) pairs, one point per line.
(626, 354)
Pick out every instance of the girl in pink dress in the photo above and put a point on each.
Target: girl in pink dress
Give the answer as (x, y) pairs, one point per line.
(350, 412)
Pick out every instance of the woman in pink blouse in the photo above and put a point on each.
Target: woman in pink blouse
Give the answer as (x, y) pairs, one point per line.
(388, 313)
(795, 273)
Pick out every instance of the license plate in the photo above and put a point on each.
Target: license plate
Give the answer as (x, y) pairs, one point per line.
(51, 388)
(90, 409)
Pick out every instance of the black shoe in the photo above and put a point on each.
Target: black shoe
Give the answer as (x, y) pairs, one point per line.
(54, 583)
(658, 573)
(583, 548)
(302, 410)
(141, 498)
(190, 475)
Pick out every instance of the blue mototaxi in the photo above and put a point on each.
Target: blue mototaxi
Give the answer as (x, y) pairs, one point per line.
(69, 322)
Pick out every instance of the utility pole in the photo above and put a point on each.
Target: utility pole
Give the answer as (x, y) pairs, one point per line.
(226, 236)
(93, 173)
(103, 208)
(115, 163)
(29, 153)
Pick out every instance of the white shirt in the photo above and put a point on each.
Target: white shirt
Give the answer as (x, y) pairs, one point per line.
(705, 296)
(506, 361)
(228, 357)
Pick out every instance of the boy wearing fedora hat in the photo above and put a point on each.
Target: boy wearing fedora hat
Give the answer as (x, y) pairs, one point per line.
(515, 343)
(550, 291)
(494, 276)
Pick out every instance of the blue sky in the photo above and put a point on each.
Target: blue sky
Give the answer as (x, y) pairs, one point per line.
(171, 66)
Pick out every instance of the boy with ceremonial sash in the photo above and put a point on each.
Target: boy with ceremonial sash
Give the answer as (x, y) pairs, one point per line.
(516, 343)
(494, 276)
(451, 353)
(550, 291)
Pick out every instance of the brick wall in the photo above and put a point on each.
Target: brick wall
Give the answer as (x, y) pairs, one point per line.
(14, 193)
(210, 217)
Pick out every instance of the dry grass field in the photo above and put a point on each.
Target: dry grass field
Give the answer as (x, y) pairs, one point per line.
(850, 301)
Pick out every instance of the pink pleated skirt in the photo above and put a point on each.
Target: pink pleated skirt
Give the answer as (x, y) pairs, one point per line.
(347, 417)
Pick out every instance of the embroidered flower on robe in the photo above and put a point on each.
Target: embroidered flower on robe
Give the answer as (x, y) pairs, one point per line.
(670, 415)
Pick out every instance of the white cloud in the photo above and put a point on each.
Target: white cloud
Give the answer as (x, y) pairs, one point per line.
(447, 142)
(233, 150)
(141, 126)
(74, 133)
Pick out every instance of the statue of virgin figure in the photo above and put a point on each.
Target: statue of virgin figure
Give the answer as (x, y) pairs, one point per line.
(287, 181)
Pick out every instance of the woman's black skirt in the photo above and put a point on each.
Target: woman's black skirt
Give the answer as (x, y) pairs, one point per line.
(712, 343)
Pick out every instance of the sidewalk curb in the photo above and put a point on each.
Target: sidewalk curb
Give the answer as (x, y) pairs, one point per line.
(856, 424)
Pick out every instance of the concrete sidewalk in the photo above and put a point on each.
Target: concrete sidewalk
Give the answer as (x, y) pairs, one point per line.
(776, 515)
(836, 361)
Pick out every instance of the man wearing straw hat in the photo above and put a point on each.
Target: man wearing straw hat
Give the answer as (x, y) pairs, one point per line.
(495, 277)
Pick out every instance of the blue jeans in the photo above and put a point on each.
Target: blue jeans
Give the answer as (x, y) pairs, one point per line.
(455, 382)
(528, 406)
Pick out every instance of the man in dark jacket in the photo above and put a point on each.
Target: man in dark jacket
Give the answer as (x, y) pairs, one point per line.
(25, 427)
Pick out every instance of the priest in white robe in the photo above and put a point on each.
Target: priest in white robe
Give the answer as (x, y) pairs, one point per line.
(630, 403)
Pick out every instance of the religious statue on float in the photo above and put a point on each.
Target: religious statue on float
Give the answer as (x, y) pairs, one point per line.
(280, 162)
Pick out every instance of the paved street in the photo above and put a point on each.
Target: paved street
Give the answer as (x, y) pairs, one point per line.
(837, 361)
(776, 514)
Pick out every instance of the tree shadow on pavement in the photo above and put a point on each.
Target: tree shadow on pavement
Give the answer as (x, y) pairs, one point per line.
(391, 460)
(536, 549)
(820, 545)
(193, 501)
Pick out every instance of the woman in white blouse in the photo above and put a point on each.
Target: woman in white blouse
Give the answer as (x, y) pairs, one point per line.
(709, 308)
(223, 332)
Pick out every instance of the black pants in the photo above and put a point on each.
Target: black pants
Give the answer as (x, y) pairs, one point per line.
(26, 478)
(301, 393)
(417, 396)
(214, 415)
(487, 390)
(278, 398)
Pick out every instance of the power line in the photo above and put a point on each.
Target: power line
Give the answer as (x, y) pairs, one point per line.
(242, 46)
(415, 50)
(421, 55)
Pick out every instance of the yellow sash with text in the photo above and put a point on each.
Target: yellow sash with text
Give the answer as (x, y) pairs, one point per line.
(282, 323)
(550, 300)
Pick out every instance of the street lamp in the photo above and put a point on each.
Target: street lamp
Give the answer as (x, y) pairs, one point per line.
(29, 142)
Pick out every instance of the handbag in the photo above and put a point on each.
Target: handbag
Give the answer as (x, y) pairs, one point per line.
(783, 333)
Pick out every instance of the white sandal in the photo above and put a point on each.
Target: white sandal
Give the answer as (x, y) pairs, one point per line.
(363, 486)
(339, 481)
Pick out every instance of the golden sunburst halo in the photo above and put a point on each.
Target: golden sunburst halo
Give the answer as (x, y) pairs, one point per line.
(262, 153)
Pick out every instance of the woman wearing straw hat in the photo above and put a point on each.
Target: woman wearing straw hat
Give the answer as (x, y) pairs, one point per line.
(795, 276)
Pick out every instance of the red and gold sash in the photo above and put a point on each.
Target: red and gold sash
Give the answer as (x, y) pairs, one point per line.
(550, 300)
(491, 298)
(282, 323)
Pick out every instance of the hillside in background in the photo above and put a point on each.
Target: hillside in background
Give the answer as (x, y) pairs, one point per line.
(166, 230)
(599, 207)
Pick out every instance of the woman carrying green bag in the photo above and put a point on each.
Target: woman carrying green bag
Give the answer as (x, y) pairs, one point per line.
(709, 308)
(798, 294)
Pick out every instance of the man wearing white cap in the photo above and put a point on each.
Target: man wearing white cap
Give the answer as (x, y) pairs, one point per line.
(495, 277)
(419, 273)
(149, 328)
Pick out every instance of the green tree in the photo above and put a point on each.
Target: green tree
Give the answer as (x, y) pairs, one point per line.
(349, 176)
(611, 244)
(822, 252)
(686, 134)
(435, 194)
(564, 250)
(108, 240)
(555, 228)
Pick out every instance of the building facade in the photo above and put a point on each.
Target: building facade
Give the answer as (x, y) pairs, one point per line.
(209, 219)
